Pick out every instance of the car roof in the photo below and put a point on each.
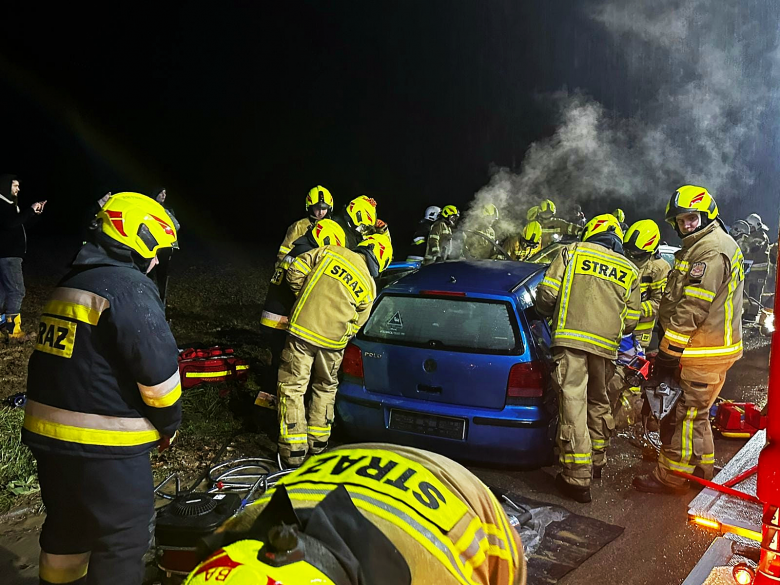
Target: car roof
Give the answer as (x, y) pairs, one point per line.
(470, 276)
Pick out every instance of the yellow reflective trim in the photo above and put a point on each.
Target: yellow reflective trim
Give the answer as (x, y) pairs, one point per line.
(273, 323)
(599, 443)
(616, 260)
(645, 326)
(552, 283)
(577, 458)
(632, 314)
(301, 266)
(564, 302)
(320, 429)
(699, 293)
(658, 284)
(315, 338)
(678, 337)
(163, 401)
(205, 374)
(354, 272)
(63, 568)
(284, 249)
(87, 315)
(713, 351)
(687, 436)
(244, 367)
(664, 461)
(87, 436)
(56, 336)
(293, 439)
(586, 337)
(304, 296)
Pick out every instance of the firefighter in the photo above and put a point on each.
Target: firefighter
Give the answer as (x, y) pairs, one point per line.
(103, 389)
(620, 215)
(373, 514)
(335, 290)
(702, 336)
(480, 242)
(420, 238)
(755, 248)
(525, 245)
(440, 238)
(319, 205)
(280, 298)
(532, 213)
(554, 228)
(358, 220)
(640, 244)
(587, 274)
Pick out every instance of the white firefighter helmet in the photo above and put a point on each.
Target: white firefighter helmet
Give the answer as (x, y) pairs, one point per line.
(740, 228)
(432, 213)
(755, 223)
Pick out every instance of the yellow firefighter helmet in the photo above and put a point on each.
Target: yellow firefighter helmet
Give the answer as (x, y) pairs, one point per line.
(642, 237)
(138, 222)
(362, 213)
(600, 224)
(327, 232)
(619, 215)
(449, 211)
(532, 234)
(691, 199)
(382, 248)
(319, 195)
(547, 209)
(489, 212)
(532, 213)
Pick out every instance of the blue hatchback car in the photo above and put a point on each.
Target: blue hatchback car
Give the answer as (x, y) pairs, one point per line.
(455, 359)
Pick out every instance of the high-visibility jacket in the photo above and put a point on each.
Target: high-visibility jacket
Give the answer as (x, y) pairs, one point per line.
(294, 232)
(479, 244)
(755, 249)
(439, 241)
(519, 252)
(701, 310)
(593, 296)
(280, 299)
(334, 291)
(448, 527)
(652, 281)
(556, 226)
(103, 380)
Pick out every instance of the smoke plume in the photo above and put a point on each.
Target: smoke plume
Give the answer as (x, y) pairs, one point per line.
(712, 72)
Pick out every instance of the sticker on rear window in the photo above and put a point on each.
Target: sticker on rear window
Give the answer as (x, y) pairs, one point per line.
(395, 321)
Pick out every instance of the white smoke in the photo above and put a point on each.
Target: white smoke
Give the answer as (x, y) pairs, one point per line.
(713, 67)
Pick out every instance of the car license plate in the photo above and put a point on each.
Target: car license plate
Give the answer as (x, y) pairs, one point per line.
(426, 424)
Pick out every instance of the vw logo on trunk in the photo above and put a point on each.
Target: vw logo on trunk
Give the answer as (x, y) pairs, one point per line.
(429, 366)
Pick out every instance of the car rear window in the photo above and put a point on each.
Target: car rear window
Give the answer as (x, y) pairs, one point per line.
(456, 324)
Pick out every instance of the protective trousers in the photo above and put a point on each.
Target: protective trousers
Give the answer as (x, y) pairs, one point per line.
(99, 519)
(11, 285)
(686, 435)
(299, 433)
(585, 415)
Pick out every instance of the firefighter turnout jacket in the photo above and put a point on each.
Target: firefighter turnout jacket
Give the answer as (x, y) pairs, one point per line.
(294, 232)
(555, 226)
(593, 296)
(280, 298)
(446, 524)
(420, 238)
(755, 249)
(334, 291)
(652, 281)
(439, 241)
(519, 252)
(701, 310)
(103, 381)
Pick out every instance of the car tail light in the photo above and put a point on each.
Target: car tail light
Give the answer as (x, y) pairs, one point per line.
(525, 381)
(352, 365)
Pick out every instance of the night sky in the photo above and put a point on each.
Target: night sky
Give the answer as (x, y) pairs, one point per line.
(239, 108)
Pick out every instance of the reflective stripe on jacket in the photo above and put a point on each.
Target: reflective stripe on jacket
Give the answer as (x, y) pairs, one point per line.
(446, 524)
(652, 281)
(593, 296)
(294, 232)
(103, 380)
(701, 310)
(334, 291)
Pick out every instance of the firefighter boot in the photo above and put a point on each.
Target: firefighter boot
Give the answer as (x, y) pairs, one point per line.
(575, 492)
(14, 327)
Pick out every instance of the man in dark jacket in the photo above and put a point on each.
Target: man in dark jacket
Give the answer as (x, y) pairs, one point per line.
(103, 389)
(13, 246)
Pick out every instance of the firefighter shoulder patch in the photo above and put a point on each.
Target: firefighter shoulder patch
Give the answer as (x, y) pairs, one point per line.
(697, 269)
